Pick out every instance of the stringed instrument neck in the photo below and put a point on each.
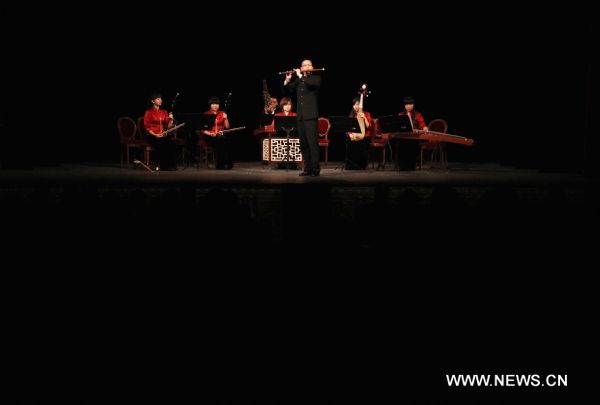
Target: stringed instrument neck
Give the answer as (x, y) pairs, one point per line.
(225, 131)
(168, 131)
(356, 136)
(361, 121)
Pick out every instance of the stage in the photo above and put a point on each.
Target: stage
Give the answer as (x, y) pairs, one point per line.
(251, 174)
(276, 204)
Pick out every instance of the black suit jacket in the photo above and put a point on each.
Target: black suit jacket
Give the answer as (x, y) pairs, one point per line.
(307, 92)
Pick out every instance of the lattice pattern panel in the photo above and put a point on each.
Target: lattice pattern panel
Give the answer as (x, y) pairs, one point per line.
(278, 150)
(265, 147)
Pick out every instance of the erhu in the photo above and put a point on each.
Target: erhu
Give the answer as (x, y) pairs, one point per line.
(173, 108)
(174, 101)
(227, 102)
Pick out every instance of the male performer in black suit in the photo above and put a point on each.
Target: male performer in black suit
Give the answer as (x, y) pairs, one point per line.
(306, 87)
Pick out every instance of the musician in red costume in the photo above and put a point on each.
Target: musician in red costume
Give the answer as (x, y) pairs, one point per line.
(416, 118)
(407, 150)
(357, 146)
(286, 111)
(156, 122)
(286, 108)
(220, 143)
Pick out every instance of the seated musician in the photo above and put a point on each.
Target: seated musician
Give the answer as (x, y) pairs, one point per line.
(286, 108)
(267, 125)
(220, 143)
(272, 107)
(286, 111)
(357, 146)
(267, 118)
(156, 122)
(407, 151)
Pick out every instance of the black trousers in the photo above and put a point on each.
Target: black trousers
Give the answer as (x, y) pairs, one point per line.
(165, 151)
(407, 153)
(309, 144)
(356, 154)
(222, 147)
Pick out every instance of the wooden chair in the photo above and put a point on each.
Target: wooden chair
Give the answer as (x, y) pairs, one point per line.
(377, 143)
(324, 126)
(127, 133)
(436, 149)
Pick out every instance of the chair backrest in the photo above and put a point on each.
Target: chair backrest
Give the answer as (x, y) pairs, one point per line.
(141, 132)
(438, 125)
(375, 128)
(127, 128)
(324, 125)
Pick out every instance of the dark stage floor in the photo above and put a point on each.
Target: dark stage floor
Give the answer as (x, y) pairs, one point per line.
(279, 202)
(248, 174)
(470, 266)
(265, 191)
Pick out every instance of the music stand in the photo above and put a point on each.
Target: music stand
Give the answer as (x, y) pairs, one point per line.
(400, 124)
(197, 121)
(395, 124)
(287, 124)
(266, 120)
(345, 124)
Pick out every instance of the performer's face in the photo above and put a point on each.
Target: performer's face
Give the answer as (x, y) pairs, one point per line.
(287, 107)
(214, 107)
(273, 103)
(157, 101)
(409, 107)
(307, 66)
(356, 106)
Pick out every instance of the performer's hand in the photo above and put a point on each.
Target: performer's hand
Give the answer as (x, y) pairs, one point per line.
(298, 72)
(425, 129)
(171, 116)
(361, 115)
(224, 115)
(288, 77)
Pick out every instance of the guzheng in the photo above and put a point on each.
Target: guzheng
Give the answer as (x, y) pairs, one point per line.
(431, 136)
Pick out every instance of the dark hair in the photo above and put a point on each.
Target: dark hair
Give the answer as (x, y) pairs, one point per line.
(285, 101)
(408, 100)
(154, 96)
(214, 100)
(354, 101)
